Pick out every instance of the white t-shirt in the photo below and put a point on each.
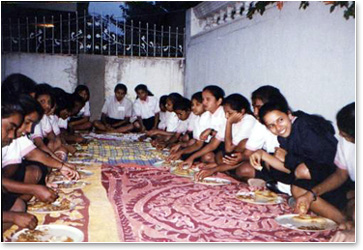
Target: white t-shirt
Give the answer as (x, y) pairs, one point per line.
(63, 123)
(195, 126)
(85, 111)
(162, 119)
(345, 156)
(53, 119)
(216, 121)
(262, 138)
(146, 109)
(172, 121)
(42, 128)
(242, 129)
(117, 110)
(184, 125)
(14, 153)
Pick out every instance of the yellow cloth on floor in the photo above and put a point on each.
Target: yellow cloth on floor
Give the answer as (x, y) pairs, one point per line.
(102, 221)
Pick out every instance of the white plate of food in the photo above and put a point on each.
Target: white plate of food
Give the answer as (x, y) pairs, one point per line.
(84, 173)
(264, 197)
(49, 233)
(60, 205)
(80, 163)
(66, 184)
(183, 172)
(167, 163)
(214, 181)
(309, 223)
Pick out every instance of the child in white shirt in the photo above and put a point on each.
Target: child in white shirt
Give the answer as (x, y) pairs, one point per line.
(81, 121)
(116, 112)
(146, 109)
(238, 129)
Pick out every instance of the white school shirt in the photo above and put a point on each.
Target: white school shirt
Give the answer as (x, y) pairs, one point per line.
(146, 109)
(162, 119)
(42, 128)
(183, 126)
(117, 110)
(16, 150)
(53, 119)
(63, 123)
(171, 121)
(216, 121)
(262, 138)
(345, 156)
(242, 129)
(85, 111)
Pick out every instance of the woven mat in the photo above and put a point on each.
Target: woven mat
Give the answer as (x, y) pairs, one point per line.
(116, 152)
(155, 206)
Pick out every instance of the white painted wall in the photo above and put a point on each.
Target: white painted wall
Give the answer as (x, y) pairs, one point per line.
(56, 70)
(308, 54)
(161, 75)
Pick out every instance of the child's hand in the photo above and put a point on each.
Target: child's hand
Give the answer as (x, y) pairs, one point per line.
(175, 156)
(344, 236)
(204, 173)
(303, 203)
(234, 159)
(175, 148)
(280, 154)
(25, 220)
(70, 174)
(256, 158)
(44, 193)
(188, 163)
(204, 135)
(234, 118)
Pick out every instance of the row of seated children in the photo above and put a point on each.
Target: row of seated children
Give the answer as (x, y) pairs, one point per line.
(292, 148)
(32, 145)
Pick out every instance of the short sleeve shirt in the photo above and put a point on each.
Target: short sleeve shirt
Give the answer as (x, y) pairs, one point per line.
(216, 121)
(345, 156)
(15, 152)
(85, 111)
(53, 119)
(63, 123)
(117, 110)
(146, 109)
(262, 138)
(162, 119)
(42, 128)
(172, 121)
(242, 129)
(184, 125)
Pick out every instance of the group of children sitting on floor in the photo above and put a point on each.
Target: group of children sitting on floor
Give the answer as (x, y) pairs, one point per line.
(213, 132)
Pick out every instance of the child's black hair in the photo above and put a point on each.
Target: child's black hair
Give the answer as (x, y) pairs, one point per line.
(198, 97)
(268, 93)
(30, 105)
(45, 89)
(174, 97)
(216, 91)
(144, 88)
(10, 105)
(271, 106)
(62, 100)
(121, 86)
(346, 119)
(16, 84)
(183, 104)
(238, 102)
(162, 100)
(81, 88)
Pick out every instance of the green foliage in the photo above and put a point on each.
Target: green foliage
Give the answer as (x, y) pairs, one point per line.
(260, 7)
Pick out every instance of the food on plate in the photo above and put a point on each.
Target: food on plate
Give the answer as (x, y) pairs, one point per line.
(41, 236)
(306, 218)
(311, 228)
(265, 195)
(60, 204)
(246, 196)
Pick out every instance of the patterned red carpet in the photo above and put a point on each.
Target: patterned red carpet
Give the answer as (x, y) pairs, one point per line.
(155, 206)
